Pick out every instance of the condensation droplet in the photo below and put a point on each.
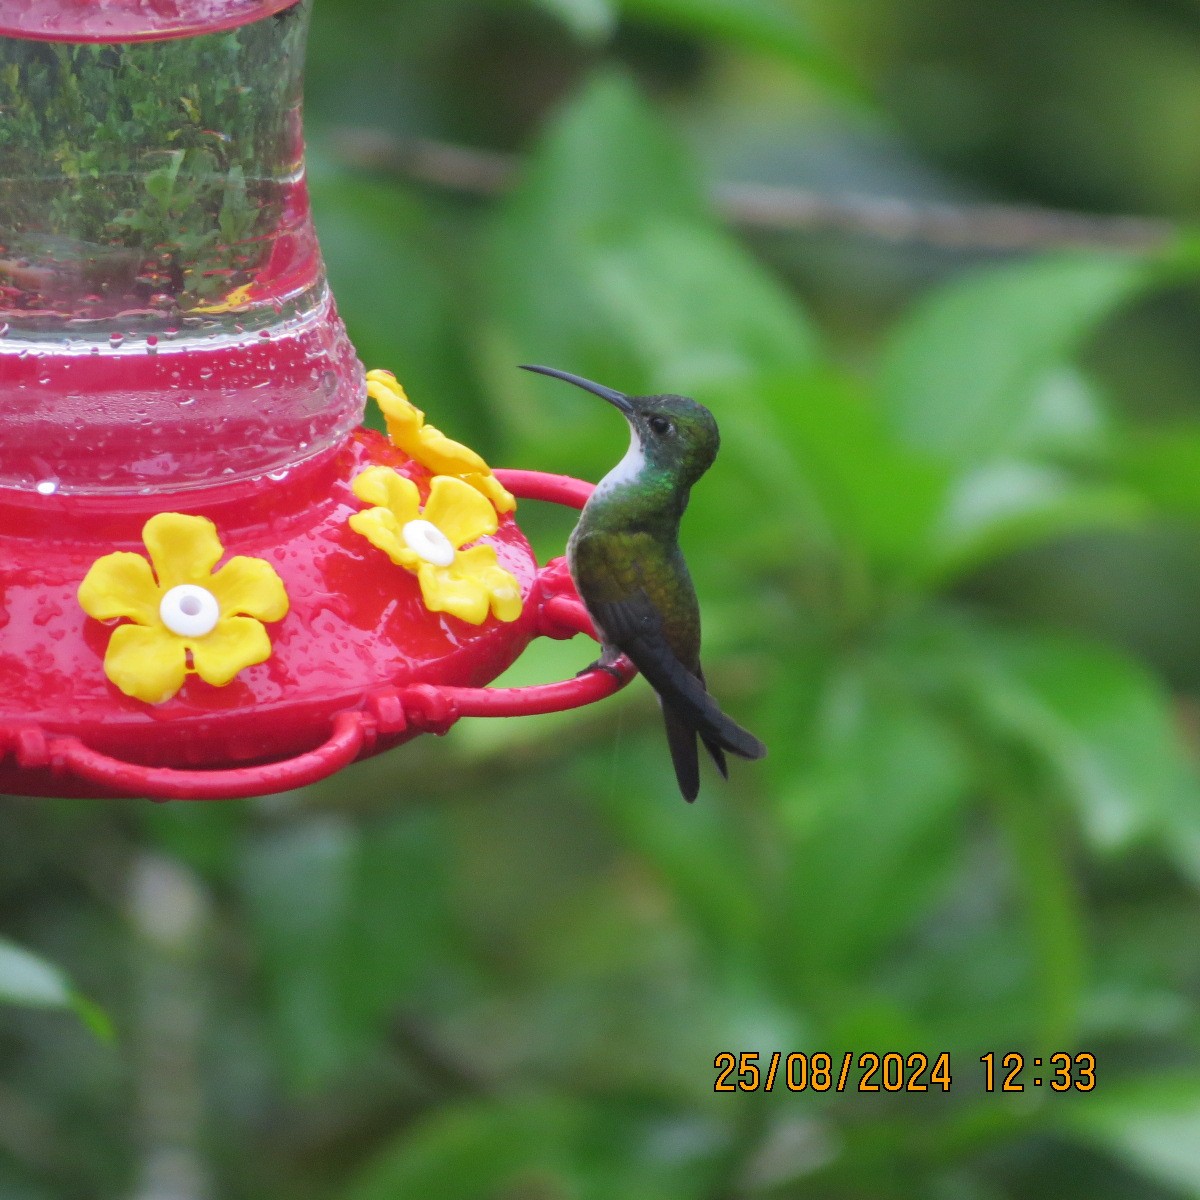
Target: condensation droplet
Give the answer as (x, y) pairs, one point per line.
(47, 487)
(115, 339)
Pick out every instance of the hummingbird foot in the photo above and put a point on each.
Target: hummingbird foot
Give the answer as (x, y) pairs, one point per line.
(607, 662)
(600, 665)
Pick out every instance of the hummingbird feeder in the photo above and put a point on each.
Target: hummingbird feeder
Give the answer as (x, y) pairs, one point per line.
(213, 581)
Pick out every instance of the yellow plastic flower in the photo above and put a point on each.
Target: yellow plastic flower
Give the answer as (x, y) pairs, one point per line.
(185, 618)
(429, 542)
(428, 445)
(238, 298)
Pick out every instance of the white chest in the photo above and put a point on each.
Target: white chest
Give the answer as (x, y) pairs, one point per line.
(627, 470)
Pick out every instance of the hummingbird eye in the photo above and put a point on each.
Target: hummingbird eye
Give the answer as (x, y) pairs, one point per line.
(661, 426)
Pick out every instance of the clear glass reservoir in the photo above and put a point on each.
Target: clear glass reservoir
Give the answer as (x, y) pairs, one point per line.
(165, 321)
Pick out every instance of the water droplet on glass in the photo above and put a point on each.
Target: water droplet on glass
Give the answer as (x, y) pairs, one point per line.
(278, 476)
(115, 339)
(151, 344)
(47, 487)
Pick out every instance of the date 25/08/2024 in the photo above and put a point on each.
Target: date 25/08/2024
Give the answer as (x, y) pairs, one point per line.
(894, 1072)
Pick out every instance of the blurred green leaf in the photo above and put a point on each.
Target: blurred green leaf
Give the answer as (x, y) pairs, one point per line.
(546, 1147)
(1099, 722)
(391, 291)
(760, 25)
(700, 851)
(608, 262)
(26, 979)
(475, 1152)
(1152, 1125)
(604, 164)
(881, 496)
(604, 168)
(873, 826)
(757, 512)
(970, 373)
(1164, 465)
(589, 19)
(695, 309)
(1007, 505)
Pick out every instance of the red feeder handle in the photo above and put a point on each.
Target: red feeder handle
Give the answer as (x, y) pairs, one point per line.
(422, 708)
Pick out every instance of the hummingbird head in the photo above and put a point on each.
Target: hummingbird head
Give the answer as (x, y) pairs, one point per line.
(671, 434)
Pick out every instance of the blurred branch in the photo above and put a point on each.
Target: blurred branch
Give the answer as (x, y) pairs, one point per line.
(168, 910)
(786, 209)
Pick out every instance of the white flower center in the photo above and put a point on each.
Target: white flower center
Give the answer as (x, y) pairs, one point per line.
(425, 539)
(189, 610)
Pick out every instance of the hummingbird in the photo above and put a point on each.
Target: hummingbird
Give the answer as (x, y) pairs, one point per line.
(629, 572)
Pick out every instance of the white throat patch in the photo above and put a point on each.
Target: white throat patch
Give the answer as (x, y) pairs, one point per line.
(628, 469)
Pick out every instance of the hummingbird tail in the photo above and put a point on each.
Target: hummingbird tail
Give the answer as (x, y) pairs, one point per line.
(686, 696)
(718, 756)
(681, 738)
(729, 735)
(714, 748)
(634, 627)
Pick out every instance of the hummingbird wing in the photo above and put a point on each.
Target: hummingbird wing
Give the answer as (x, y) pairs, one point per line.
(634, 626)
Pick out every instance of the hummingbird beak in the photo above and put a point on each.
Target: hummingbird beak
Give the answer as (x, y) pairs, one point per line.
(619, 399)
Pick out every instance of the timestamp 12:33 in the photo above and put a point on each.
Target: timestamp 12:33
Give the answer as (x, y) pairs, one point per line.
(1061, 1072)
(751, 1071)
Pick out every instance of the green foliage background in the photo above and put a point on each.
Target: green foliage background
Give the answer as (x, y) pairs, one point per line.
(947, 559)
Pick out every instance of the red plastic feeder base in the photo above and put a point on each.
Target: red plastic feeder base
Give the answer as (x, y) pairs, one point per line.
(358, 665)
